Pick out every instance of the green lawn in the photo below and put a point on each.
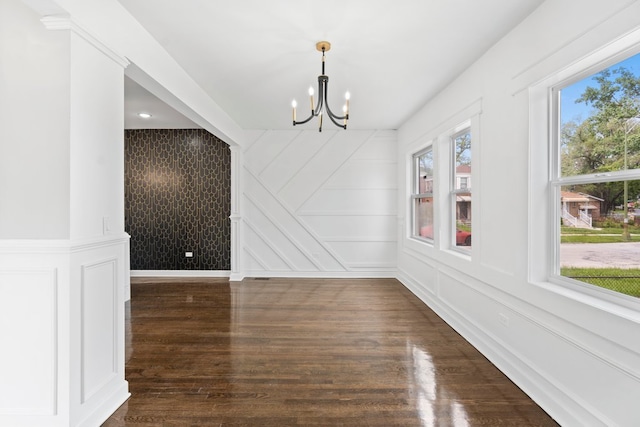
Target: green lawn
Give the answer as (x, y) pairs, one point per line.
(611, 230)
(603, 235)
(625, 281)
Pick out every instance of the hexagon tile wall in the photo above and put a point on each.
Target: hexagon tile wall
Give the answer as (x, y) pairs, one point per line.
(177, 199)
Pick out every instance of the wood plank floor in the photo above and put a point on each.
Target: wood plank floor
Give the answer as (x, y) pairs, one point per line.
(287, 352)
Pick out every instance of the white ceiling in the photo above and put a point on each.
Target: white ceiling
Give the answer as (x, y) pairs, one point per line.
(139, 100)
(254, 56)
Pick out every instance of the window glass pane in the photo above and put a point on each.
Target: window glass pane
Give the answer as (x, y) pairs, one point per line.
(462, 153)
(425, 173)
(423, 209)
(463, 220)
(462, 182)
(600, 121)
(423, 194)
(600, 235)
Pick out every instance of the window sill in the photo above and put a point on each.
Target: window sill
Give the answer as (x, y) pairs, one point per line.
(601, 299)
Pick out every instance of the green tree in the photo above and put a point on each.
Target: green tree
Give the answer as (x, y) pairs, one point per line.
(597, 145)
(463, 149)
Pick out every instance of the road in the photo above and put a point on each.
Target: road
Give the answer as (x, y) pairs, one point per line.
(621, 255)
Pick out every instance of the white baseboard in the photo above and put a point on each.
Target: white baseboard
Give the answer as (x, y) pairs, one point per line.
(108, 406)
(391, 274)
(180, 273)
(382, 274)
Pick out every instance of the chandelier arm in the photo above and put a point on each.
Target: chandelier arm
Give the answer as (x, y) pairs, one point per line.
(331, 114)
(344, 126)
(304, 121)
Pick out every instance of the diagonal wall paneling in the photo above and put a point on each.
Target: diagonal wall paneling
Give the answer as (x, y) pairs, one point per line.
(287, 229)
(320, 202)
(299, 153)
(305, 178)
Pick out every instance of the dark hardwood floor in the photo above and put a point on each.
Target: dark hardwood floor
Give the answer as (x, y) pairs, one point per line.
(290, 352)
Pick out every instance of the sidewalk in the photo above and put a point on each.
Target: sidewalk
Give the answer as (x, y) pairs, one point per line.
(600, 255)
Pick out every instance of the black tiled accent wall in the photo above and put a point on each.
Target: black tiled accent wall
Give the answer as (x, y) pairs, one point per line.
(177, 199)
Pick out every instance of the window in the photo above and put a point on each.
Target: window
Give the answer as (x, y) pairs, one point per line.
(464, 182)
(461, 188)
(596, 178)
(422, 194)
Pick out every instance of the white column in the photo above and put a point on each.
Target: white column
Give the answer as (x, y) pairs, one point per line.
(236, 218)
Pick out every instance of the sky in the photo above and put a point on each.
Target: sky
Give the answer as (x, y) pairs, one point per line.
(570, 110)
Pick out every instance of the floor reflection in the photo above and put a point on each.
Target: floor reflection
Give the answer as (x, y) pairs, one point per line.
(431, 393)
(284, 352)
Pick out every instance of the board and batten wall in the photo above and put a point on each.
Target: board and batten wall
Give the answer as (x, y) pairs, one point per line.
(319, 204)
(575, 355)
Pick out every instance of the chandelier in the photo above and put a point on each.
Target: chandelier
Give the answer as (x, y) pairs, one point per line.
(322, 108)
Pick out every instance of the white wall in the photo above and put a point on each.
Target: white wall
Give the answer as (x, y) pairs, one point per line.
(577, 357)
(63, 250)
(34, 160)
(39, 197)
(96, 118)
(319, 204)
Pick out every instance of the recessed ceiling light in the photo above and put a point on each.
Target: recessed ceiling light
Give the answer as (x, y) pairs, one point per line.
(144, 115)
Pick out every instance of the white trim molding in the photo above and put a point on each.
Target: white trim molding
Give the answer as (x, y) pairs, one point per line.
(236, 216)
(65, 22)
(180, 273)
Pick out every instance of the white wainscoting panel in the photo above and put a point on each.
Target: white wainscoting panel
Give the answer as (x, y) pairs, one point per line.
(62, 329)
(28, 315)
(99, 311)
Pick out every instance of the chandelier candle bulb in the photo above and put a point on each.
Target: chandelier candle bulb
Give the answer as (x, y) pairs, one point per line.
(347, 96)
(293, 105)
(311, 96)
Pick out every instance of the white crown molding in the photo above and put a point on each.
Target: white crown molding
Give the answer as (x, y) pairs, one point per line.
(64, 22)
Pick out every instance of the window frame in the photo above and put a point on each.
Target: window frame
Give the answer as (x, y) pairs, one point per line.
(557, 181)
(545, 180)
(439, 137)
